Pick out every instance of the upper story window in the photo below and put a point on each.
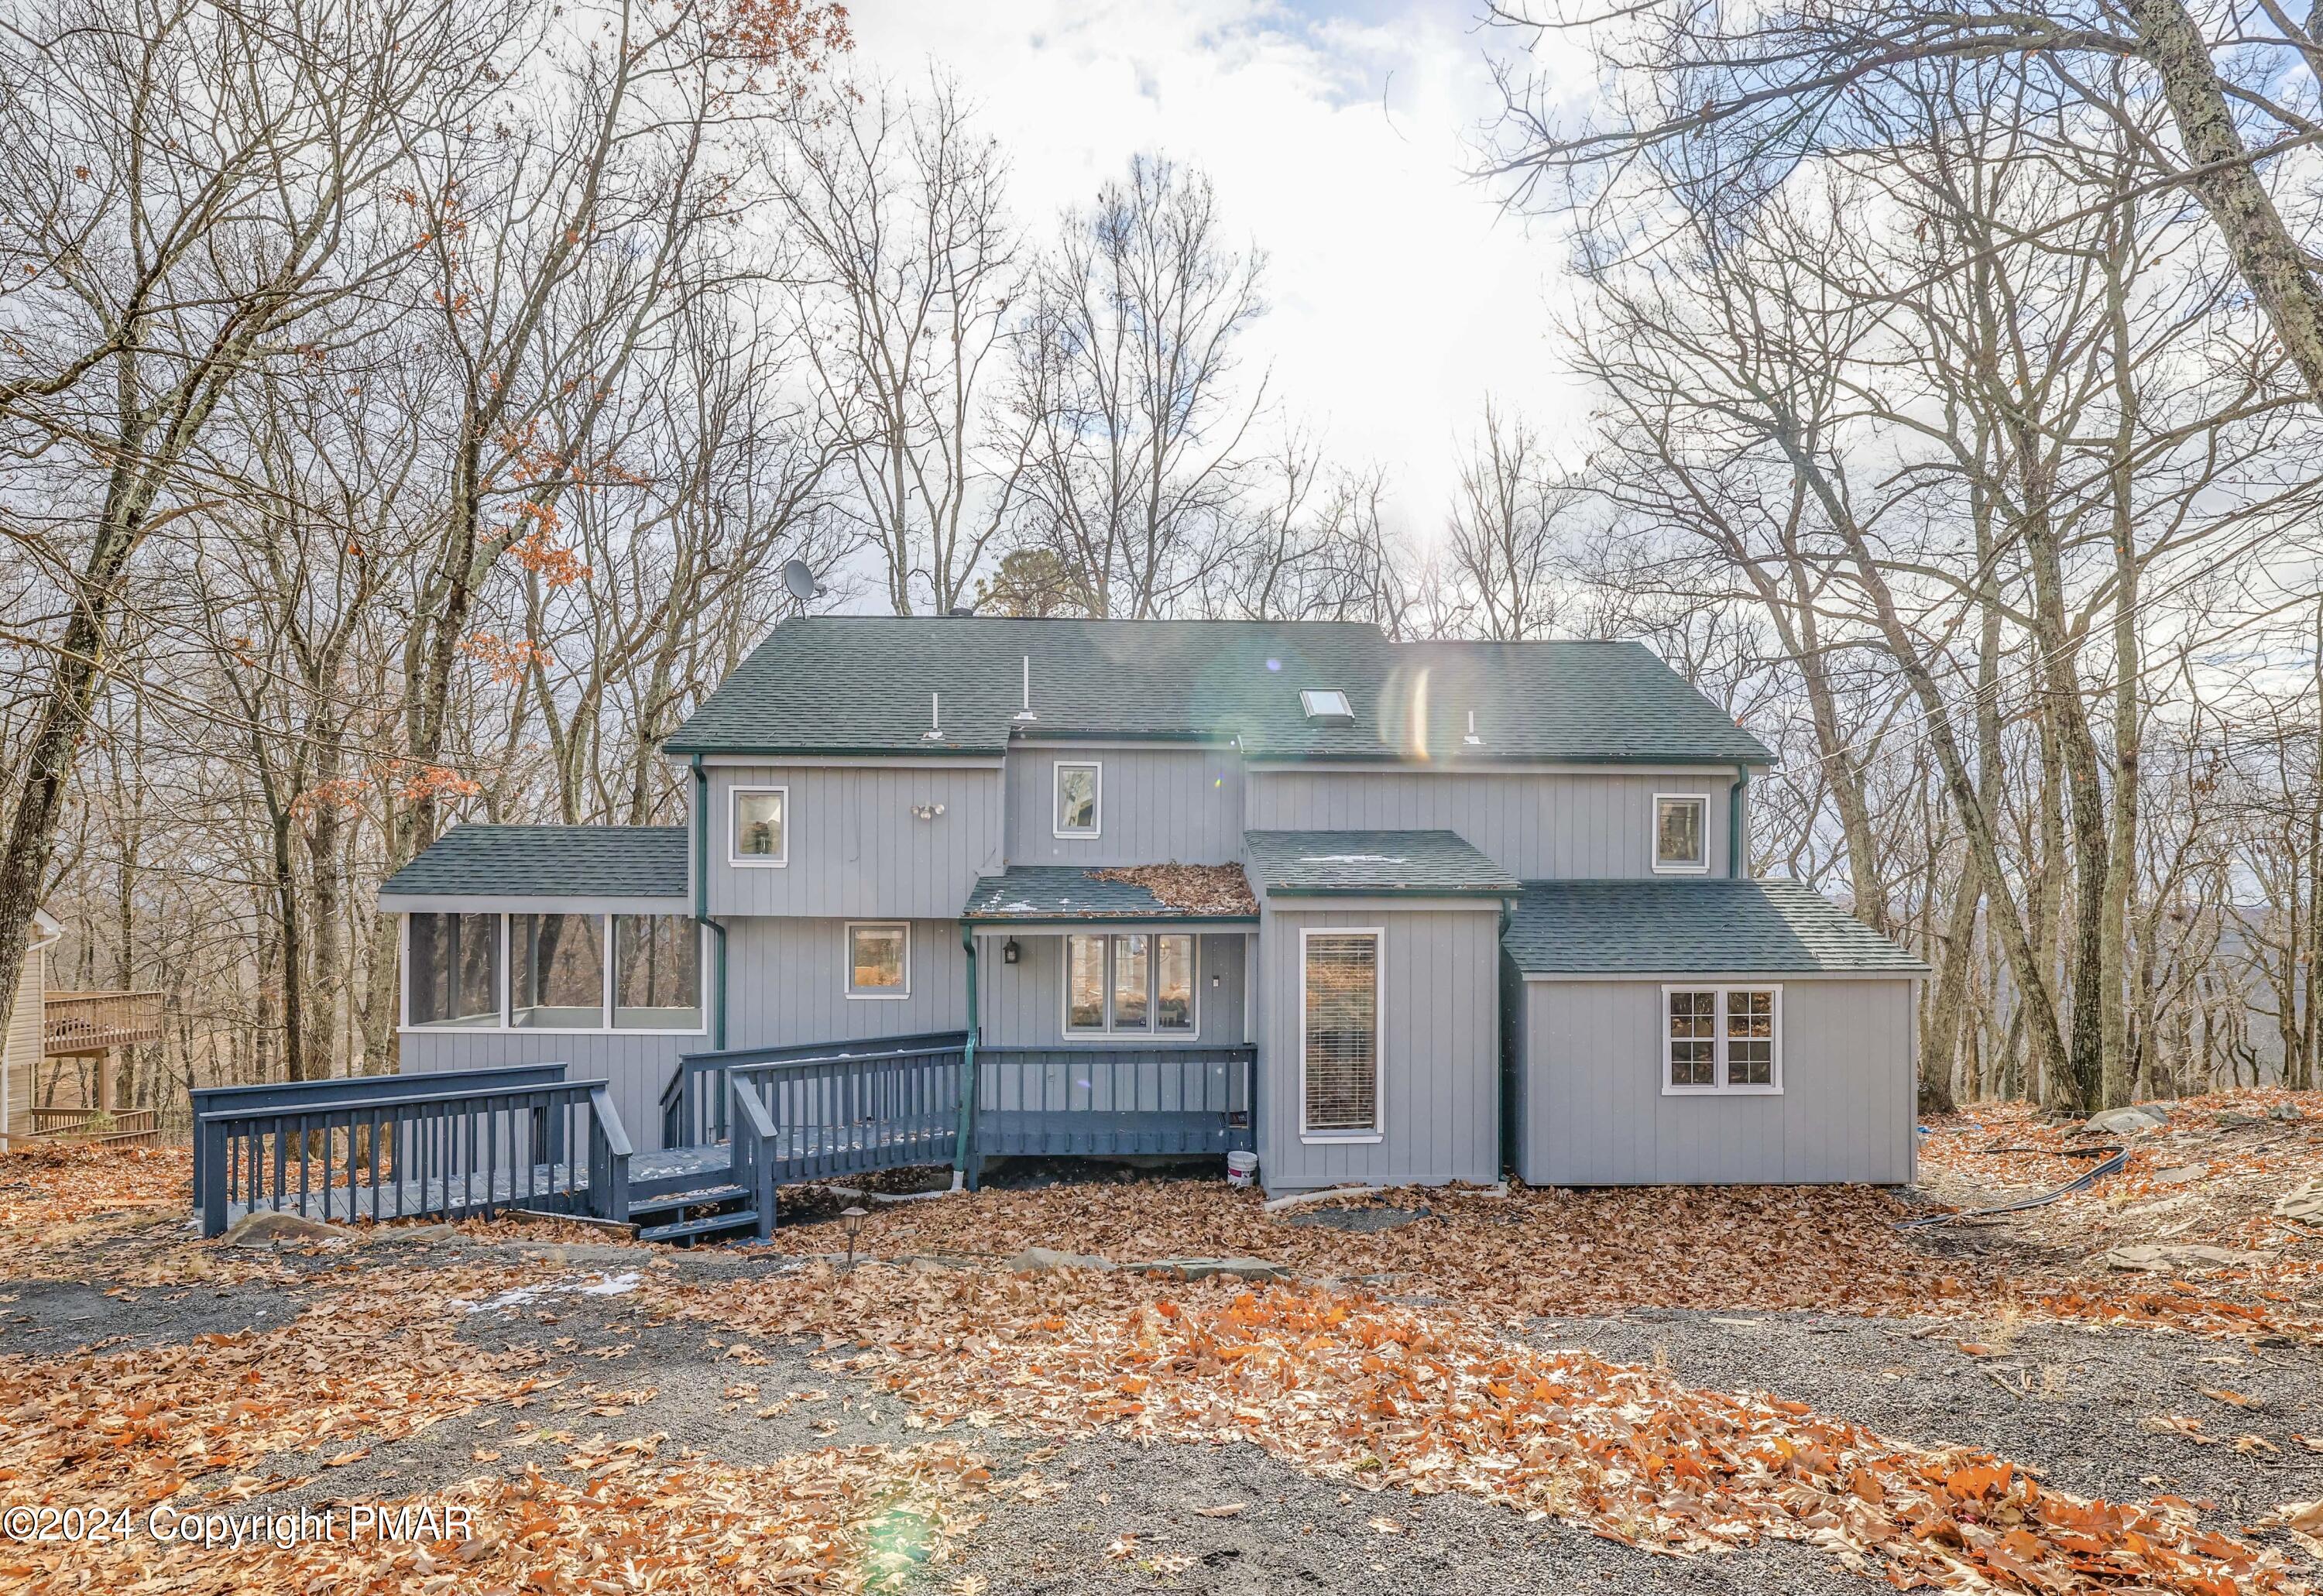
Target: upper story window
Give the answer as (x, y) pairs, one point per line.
(879, 959)
(559, 972)
(1681, 834)
(1721, 1039)
(761, 826)
(1079, 790)
(1326, 706)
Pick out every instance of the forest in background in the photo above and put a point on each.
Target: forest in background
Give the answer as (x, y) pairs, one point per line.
(406, 414)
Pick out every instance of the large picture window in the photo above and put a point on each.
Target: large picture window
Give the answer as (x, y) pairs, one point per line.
(452, 970)
(1078, 796)
(1131, 982)
(556, 972)
(656, 973)
(761, 826)
(1721, 1039)
(560, 972)
(1339, 1035)
(879, 959)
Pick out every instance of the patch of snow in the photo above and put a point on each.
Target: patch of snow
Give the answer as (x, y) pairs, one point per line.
(604, 1285)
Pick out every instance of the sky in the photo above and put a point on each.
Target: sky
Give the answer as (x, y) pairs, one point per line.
(1339, 138)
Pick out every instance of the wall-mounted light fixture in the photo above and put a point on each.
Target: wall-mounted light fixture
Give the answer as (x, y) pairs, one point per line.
(926, 811)
(1009, 952)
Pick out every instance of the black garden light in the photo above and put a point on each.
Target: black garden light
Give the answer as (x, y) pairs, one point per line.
(850, 1220)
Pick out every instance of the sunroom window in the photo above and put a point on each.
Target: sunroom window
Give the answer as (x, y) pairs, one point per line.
(559, 972)
(556, 972)
(453, 974)
(656, 973)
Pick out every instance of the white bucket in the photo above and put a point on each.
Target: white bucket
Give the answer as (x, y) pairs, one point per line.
(1242, 1168)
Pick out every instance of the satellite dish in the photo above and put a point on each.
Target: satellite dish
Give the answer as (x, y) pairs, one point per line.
(800, 579)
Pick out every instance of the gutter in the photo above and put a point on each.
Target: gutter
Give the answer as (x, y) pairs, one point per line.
(701, 905)
(1734, 796)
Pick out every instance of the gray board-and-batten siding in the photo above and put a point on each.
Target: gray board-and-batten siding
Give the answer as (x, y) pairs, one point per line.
(864, 841)
(1590, 1109)
(1156, 805)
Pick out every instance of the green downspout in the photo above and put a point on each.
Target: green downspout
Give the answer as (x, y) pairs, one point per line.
(964, 1143)
(701, 905)
(1734, 820)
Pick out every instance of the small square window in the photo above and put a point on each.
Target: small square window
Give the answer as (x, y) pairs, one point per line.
(1078, 792)
(761, 829)
(880, 960)
(1681, 833)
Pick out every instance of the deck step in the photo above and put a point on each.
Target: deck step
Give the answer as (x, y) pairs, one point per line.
(686, 1200)
(740, 1218)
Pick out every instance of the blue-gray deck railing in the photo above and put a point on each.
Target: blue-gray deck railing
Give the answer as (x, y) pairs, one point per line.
(853, 1113)
(439, 1153)
(346, 1090)
(693, 1105)
(1165, 1098)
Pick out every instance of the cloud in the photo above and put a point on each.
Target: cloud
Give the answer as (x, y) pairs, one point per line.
(1338, 137)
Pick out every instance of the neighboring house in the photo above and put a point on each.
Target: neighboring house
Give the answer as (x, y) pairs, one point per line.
(20, 1028)
(1384, 912)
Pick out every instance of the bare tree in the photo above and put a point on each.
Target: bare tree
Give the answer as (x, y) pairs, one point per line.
(1512, 524)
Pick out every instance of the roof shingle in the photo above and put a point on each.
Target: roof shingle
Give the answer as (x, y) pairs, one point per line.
(1049, 892)
(1646, 927)
(547, 861)
(864, 685)
(1437, 863)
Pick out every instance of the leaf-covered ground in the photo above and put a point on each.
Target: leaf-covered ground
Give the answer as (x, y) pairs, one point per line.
(1768, 1389)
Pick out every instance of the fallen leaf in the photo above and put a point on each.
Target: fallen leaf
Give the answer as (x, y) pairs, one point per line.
(1223, 1510)
(1386, 1526)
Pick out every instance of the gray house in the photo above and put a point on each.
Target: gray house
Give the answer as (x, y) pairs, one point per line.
(1378, 912)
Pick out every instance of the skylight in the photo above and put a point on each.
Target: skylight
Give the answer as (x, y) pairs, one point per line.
(1326, 706)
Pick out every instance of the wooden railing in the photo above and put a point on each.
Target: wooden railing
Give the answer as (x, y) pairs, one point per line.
(850, 1113)
(693, 1105)
(440, 1153)
(92, 1022)
(1100, 1100)
(121, 1127)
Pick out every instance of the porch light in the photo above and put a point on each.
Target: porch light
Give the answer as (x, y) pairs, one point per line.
(1009, 952)
(850, 1220)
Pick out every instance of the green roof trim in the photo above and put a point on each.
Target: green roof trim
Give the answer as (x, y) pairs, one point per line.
(548, 861)
(1688, 927)
(1064, 894)
(869, 686)
(1373, 864)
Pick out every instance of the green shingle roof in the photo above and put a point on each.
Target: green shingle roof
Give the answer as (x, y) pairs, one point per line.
(1070, 892)
(861, 684)
(1303, 864)
(548, 861)
(1710, 927)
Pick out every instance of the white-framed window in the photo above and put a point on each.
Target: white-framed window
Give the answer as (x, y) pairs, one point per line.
(1080, 789)
(551, 971)
(758, 827)
(1137, 983)
(1339, 1035)
(878, 958)
(1721, 1039)
(1681, 834)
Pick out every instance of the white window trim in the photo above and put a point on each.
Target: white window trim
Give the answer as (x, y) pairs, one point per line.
(847, 960)
(1378, 1132)
(1718, 1088)
(1108, 1031)
(1057, 799)
(1311, 705)
(734, 856)
(1653, 836)
(506, 994)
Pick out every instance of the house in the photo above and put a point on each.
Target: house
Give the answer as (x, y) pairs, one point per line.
(20, 1028)
(1380, 912)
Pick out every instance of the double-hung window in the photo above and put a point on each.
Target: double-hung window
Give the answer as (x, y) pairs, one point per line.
(1721, 1039)
(1339, 1035)
(1132, 982)
(1079, 790)
(1681, 834)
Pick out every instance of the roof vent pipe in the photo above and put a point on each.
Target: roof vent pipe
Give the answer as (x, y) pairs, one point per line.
(934, 733)
(1471, 740)
(1026, 712)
